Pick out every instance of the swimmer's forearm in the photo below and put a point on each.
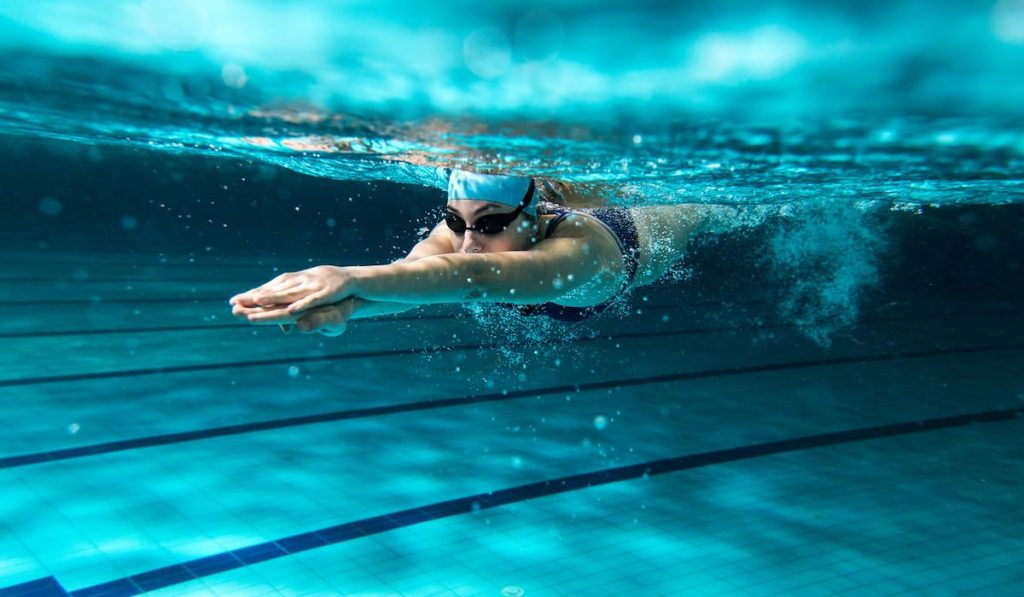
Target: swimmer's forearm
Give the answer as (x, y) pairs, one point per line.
(514, 277)
(436, 279)
(365, 308)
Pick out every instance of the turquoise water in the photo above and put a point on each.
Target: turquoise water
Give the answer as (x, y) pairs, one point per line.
(822, 398)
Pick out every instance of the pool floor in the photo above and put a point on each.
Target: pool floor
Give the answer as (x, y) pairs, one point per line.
(150, 443)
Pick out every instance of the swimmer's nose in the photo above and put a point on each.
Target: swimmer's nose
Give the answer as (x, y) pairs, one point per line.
(471, 242)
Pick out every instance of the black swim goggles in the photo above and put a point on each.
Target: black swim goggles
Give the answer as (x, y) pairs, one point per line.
(491, 223)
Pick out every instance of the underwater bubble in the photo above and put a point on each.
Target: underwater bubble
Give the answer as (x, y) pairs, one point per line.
(293, 371)
(475, 507)
(517, 462)
(50, 207)
(128, 222)
(233, 75)
(74, 428)
(600, 422)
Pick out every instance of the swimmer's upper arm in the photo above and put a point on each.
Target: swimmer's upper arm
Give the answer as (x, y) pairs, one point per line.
(438, 242)
(551, 269)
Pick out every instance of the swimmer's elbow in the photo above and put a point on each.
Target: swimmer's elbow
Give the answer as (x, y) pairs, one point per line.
(496, 280)
(476, 280)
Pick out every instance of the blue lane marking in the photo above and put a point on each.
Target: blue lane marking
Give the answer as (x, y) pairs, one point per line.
(26, 381)
(393, 318)
(43, 587)
(172, 438)
(239, 558)
(465, 347)
(176, 328)
(117, 588)
(117, 301)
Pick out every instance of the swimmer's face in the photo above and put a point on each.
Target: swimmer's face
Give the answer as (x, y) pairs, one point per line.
(518, 236)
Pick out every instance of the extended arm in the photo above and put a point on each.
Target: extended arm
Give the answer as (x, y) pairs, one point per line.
(552, 268)
(436, 243)
(256, 306)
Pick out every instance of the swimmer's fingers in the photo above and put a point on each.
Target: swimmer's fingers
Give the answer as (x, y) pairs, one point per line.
(270, 315)
(248, 297)
(314, 300)
(243, 298)
(243, 312)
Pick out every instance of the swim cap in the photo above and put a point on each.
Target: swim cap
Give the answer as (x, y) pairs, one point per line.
(498, 188)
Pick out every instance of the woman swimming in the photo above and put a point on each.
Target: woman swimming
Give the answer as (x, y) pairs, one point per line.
(497, 243)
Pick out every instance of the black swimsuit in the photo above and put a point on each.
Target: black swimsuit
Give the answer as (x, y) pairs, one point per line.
(620, 221)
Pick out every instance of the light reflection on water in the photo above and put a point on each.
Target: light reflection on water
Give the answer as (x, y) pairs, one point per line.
(911, 103)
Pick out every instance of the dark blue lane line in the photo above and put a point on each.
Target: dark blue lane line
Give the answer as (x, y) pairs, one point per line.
(116, 301)
(244, 325)
(120, 265)
(207, 566)
(25, 381)
(106, 331)
(185, 328)
(387, 318)
(73, 281)
(43, 587)
(76, 377)
(384, 319)
(375, 411)
(73, 377)
(223, 301)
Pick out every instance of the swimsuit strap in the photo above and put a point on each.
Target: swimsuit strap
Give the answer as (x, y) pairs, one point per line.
(561, 214)
(619, 221)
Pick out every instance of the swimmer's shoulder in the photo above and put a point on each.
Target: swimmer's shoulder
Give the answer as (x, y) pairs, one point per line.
(569, 223)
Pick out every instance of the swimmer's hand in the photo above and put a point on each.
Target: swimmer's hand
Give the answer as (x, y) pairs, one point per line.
(329, 320)
(313, 287)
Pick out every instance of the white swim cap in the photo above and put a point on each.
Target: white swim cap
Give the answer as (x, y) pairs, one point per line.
(510, 190)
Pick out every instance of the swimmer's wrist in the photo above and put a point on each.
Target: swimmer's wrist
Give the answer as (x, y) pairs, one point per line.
(364, 280)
